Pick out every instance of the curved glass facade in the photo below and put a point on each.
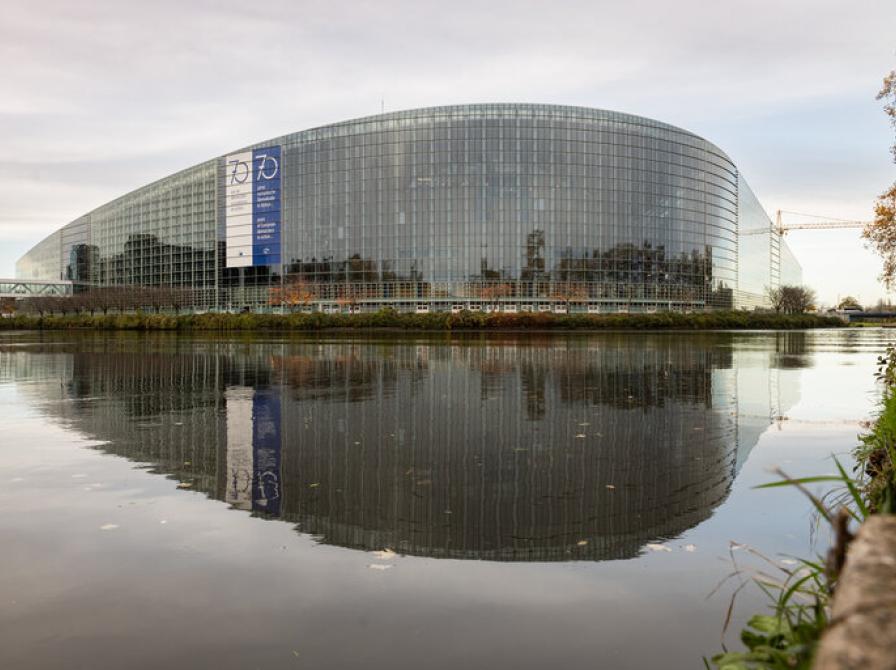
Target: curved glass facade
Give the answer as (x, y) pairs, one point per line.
(500, 206)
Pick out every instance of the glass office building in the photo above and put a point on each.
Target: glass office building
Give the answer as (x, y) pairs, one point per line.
(494, 207)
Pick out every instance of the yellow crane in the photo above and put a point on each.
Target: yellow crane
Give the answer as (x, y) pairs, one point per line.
(819, 223)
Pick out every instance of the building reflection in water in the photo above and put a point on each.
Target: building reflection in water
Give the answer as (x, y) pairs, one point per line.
(496, 449)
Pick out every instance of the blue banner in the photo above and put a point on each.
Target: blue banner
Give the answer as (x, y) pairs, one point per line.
(266, 206)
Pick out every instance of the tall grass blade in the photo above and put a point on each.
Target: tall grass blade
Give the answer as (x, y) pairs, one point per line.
(853, 491)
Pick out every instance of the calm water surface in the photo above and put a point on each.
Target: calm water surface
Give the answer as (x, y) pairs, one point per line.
(480, 502)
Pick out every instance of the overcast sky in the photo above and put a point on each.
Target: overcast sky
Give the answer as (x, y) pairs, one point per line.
(98, 98)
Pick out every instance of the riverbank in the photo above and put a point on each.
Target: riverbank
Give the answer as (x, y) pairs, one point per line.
(389, 319)
(828, 613)
(862, 620)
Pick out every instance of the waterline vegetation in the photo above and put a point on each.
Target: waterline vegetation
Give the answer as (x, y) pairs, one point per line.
(393, 320)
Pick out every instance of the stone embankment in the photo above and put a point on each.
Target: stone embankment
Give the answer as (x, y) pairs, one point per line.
(862, 628)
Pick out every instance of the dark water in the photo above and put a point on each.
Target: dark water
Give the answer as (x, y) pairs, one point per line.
(521, 502)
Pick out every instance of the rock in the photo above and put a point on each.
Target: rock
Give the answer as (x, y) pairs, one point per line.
(863, 616)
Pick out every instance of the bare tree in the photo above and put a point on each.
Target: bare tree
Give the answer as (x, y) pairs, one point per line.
(89, 301)
(180, 297)
(790, 299)
(155, 297)
(104, 298)
(61, 304)
(798, 299)
(36, 305)
(84, 302)
(118, 298)
(775, 295)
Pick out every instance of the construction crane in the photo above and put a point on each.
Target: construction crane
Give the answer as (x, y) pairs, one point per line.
(820, 223)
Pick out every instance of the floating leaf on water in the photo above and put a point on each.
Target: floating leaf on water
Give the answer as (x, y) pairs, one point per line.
(385, 555)
(788, 561)
(580, 435)
(314, 485)
(657, 547)
(581, 543)
(378, 566)
(109, 526)
(185, 485)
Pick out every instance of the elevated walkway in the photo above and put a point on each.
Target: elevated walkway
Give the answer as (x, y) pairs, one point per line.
(31, 288)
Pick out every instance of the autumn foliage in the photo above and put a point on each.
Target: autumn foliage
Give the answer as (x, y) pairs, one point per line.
(292, 293)
(881, 232)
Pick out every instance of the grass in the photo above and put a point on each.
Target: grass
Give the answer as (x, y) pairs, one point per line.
(876, 453)
(798, 590)
(390, 319)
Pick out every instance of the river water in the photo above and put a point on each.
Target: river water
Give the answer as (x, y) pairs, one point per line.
(501, 501)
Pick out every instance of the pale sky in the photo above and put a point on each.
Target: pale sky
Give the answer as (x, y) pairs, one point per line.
(98, 98)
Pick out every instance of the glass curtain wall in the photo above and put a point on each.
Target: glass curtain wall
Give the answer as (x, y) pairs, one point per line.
(509, 203)
(499, 206)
